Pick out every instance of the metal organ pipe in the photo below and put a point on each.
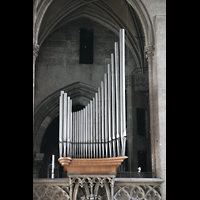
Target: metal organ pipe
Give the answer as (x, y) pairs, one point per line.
(65, 125)
(106, 112)
(117, 97)
(113, 104)
(93, 127)
(99, 119)
(61, 124)
(109, 112)
(122, 89)
(102, 117)
(91, 123)
(96, 125)
(89, 135)
(84, 133)
(86, 125)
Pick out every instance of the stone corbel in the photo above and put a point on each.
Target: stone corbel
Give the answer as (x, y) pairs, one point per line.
(149, 50)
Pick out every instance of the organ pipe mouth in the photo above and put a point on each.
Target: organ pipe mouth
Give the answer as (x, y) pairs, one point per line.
(98, 131)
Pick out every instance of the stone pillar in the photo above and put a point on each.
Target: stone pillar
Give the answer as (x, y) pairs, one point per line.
(149, 50)
(37, 164)
(35, 54)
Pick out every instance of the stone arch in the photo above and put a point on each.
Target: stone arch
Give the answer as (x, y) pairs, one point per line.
(48, 109)
(137, 5)
(145, 20)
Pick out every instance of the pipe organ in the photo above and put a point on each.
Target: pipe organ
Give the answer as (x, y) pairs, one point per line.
(98, 131)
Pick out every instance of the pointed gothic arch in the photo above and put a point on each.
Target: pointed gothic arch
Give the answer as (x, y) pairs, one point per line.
(48, 109)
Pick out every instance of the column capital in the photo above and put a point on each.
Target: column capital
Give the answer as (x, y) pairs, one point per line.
(149, 50)
(35, 50)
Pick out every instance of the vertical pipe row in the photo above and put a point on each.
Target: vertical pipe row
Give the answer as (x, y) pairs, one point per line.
(65, 126)
(98, 130)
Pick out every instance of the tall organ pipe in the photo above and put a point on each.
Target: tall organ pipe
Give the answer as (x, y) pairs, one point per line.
(96, 125)
(106, 112)
(93, 127)
(113, 104)
(91, 124)
(70, 128)
(102, 117)
(65, 125)
(99, 116)
(79, 133)
(86, 133)
(89, 136)
(117, 97)
(61, 124)
(122, 89)
(68, 124)
(109, 113)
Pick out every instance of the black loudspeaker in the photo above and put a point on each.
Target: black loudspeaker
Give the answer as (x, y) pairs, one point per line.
(86, 46)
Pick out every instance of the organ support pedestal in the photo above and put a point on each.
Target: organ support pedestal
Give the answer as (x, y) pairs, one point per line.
(92, 141)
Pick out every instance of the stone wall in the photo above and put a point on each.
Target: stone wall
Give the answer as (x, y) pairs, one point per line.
(58, 60)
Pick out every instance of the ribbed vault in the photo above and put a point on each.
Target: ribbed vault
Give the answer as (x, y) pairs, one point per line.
(113, 15)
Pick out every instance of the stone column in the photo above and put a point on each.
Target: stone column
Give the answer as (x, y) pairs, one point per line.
(149, 50)
(35, 54)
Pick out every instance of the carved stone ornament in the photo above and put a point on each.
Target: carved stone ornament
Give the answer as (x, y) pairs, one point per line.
(91, 185)
(135, 192)
(51, 192)
(149, 52)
